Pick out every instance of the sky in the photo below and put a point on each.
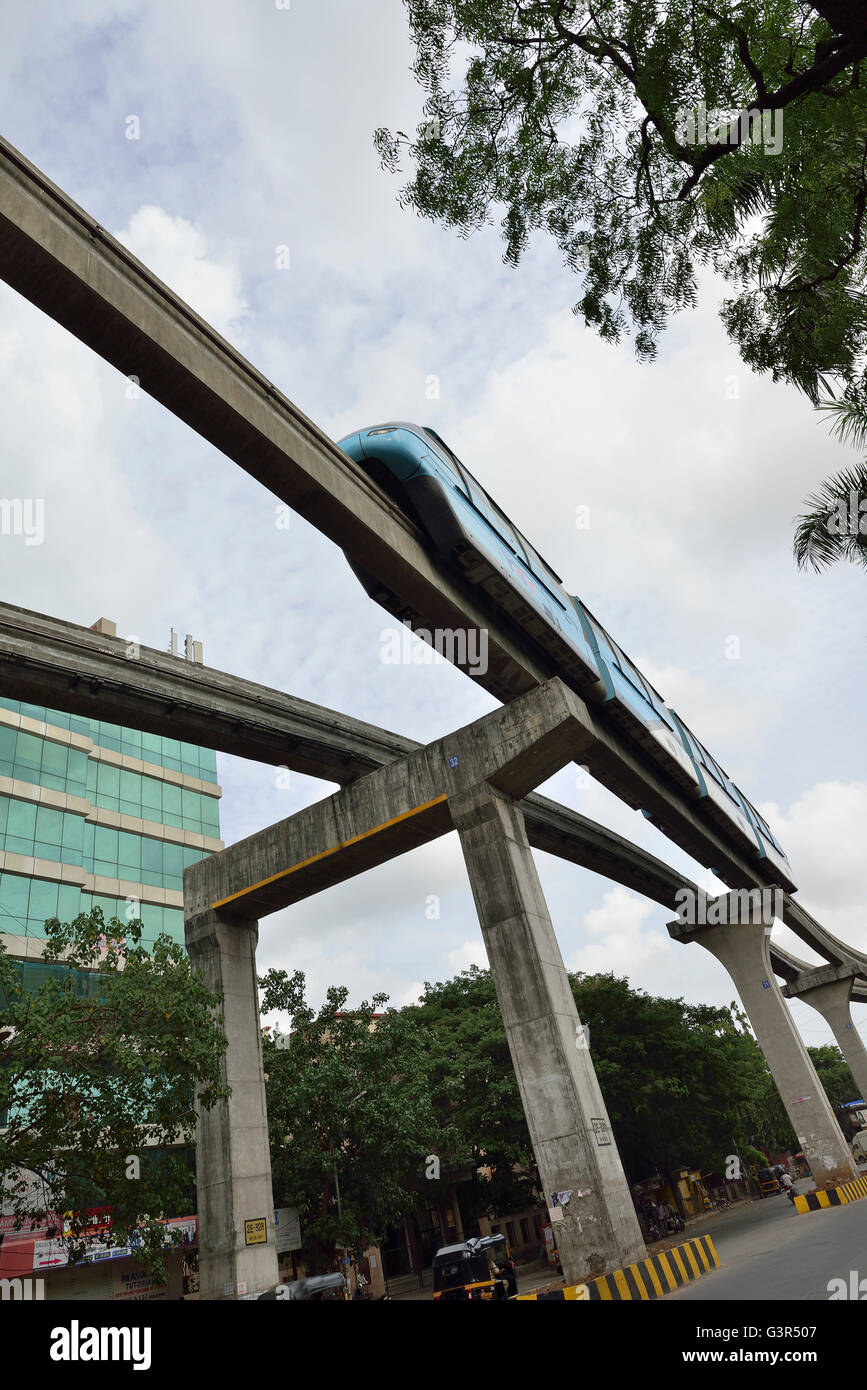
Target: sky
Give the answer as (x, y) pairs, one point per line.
(229, 145)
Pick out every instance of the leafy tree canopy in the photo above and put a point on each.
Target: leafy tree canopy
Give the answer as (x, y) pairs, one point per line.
(833, 1071)
(349, 1115)
(99, 1069)
(475, 1092)
(615, 128)
(684, 1084)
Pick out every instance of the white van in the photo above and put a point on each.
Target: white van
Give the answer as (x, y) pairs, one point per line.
(859, 1146)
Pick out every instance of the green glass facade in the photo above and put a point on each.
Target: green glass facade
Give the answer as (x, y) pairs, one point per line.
(71, 836)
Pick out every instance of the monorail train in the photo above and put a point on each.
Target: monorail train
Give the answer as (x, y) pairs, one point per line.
(466, 527)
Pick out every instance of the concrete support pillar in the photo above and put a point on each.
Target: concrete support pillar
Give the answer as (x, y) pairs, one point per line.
(832, 1000)
(739, 937)
(569, 1126)
(233, 1159)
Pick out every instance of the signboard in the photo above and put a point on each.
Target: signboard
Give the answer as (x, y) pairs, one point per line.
(600, 1129)
(287, 1229)
(256, 1231)
(137, 1284)
(47, 1254)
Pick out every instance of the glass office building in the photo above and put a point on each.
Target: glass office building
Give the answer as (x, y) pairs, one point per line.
(92, 814)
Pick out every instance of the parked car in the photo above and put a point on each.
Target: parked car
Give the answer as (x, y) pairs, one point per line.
(318, 1287)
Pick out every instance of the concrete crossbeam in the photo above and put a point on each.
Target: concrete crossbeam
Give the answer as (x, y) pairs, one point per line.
(740, 939)
(392, 810)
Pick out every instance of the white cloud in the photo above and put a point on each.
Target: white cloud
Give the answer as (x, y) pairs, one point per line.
(177, 252)
(823, 832)
(624, 938)
(469, 953)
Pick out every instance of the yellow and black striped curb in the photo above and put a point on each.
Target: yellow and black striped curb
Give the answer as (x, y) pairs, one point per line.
(651, 1278)
(834, 1197)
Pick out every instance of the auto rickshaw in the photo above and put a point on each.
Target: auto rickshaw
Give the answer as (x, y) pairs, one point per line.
(478, 1269)
(768, 1181)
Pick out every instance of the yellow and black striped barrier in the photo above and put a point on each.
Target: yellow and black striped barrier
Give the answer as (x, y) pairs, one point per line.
(651, 1278)
(833, 1197)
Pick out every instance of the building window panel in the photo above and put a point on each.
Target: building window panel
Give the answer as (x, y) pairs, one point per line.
(43, 900)
(28, 751)
(22, 819)
(49, 825)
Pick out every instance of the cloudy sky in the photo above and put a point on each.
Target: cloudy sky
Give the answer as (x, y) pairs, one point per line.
(254, 129)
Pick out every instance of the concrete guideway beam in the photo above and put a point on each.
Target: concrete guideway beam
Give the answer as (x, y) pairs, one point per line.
(829, 990)
(46, 661)
(59, 258)
(585, 1188)
(740, 939)
(233, 1155)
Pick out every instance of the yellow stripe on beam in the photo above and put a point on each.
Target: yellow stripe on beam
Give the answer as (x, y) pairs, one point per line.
(323, 854)
(687, 1250)
(604, 1290)
(642, 1287)
(823, 1199)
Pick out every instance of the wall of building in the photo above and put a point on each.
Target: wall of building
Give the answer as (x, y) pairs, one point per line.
(92, 814)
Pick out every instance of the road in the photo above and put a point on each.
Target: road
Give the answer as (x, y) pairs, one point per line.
(768, 1252)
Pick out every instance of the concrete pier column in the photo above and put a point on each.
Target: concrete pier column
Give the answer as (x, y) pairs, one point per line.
(233, 1158)
(734, 930)
(568, 1122)
(829, 990)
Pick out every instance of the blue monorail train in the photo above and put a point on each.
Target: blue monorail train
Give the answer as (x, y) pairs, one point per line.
(421, 474)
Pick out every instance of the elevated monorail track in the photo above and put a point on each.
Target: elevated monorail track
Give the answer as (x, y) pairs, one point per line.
(48, 662)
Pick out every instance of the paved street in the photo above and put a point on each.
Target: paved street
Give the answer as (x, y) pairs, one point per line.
(768, 1252)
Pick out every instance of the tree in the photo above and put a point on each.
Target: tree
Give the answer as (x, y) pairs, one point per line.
(835, 527)
(683, 1084)
(97, 1079)
(349, 1115)
(652, 139)
(616, 129)
(475, 1092)
(833, 1071)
